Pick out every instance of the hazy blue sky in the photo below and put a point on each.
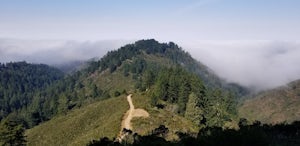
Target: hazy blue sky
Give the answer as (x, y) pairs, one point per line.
(251, 42)
(176, 20)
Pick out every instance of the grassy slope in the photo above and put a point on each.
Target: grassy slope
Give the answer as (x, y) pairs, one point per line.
(93, 121)
(174, 122)
(115, 81)
(274, 106)
(80, 126)
(101, 119)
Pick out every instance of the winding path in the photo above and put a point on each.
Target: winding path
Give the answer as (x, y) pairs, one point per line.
(127, 121)
(131, 113)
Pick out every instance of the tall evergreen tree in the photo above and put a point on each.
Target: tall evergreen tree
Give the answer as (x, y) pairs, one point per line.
(173, 88)
(11, 133)
(193, 111)
(183, 95)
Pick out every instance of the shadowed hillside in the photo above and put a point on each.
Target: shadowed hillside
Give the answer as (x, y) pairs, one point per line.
(254, 134)
(21, 81)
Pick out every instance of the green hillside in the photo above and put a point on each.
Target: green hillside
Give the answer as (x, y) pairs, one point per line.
(180, 94)
(20, 81)
(274, 106)
(103, 119)
(79, 126)
(177, 91)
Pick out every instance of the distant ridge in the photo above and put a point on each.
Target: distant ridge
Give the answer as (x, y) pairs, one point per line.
(274, 106)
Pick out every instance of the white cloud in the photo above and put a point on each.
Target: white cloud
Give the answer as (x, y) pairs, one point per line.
(257, 64)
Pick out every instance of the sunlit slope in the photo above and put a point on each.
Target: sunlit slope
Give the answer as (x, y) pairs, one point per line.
(121, 72)
(79, 126)
(103, 119)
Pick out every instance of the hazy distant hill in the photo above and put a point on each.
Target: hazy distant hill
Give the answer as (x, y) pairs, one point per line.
(274, 106)
(71, 67)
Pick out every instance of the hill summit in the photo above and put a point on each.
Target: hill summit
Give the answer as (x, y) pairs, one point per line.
(178, 92)
(167, 54)
(177, 101)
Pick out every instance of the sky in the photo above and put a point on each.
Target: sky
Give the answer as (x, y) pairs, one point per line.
(175, 20)
(251, 42)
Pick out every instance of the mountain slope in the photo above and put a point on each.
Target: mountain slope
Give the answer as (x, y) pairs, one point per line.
(79, 126)
(180, 94)
(274, 106)
(167, 54)
(102, 119)
(164, 80)
(20, 81)
(133, 67)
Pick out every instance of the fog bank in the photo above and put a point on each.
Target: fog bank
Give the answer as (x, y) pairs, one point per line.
(259, 65)
(54, 52)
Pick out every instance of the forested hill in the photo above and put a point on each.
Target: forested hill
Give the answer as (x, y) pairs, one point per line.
(20, 81)
(177, 91)
(183, 97)
(176, 56)
(36, 93)
(171, 51)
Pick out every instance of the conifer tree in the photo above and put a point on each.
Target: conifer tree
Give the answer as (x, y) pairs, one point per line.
(193, 111)
(11, 133)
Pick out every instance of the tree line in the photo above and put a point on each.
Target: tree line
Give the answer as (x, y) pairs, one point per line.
(205, 106)
(248, 134)
(20, 81)
(33, 93)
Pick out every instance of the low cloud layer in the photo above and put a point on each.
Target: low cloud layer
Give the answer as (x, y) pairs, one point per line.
(259, 65)
(53, 51)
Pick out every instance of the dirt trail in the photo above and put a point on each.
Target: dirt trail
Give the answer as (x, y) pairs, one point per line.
(131, 113)
(126, 122)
